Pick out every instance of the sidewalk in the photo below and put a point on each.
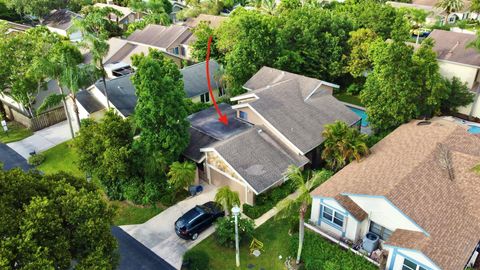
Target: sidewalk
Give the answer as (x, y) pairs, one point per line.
(42, 140)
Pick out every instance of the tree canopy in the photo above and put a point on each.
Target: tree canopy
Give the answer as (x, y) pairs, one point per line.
(54, 222)
(160, 113)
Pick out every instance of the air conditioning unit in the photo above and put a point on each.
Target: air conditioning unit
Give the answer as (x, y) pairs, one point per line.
(370, 242)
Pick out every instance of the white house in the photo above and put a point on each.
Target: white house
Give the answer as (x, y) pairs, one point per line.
(416, 191)
(456, 60)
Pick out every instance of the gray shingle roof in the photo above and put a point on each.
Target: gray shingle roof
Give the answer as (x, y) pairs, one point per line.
(60, 19)
(205, 129)
(121, 94)
(160, 36)
(195, 78)
(451, 46)
(282, 102)
(89, 102)
(258, 157)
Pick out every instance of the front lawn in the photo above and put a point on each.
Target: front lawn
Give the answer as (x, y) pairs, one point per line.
(16, 132)
(63, 158)
(318, 253)
(345, 97)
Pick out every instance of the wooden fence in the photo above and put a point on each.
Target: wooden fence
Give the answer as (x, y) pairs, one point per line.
(38, 122)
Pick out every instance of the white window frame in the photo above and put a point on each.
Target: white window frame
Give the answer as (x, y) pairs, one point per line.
(334, 216)
(406, 267)
(205, 98)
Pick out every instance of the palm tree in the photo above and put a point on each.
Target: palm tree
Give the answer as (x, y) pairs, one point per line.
(287, 207)
(417, 18)
(228, 198)
(181, 175)
(342, 145)
(475, 44)
(450, 6)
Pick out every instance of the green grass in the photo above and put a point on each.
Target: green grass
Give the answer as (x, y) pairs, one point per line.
(133, 214)
(16, 132)
(345, 97)
(317, 251)
(63, 157)
(276, 240)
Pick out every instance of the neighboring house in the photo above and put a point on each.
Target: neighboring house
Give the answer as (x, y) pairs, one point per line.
(277, 123)
(455, 60)
(437, 14)
(174, 39)
(213, 21)
(121, 92)
(118, 61)
(417, 191)
(18, 112)
(128, 15)
(61, 21)
(16, 27)
(177, 6)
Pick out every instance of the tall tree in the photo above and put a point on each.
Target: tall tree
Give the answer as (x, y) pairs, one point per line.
(417, 18)
(154, 12)
(312, 42)
(248, 41)
(288, 207)
(342, 145)
(450, 6)
(181, 175)
(475, 6)
(389, 92)
(358, 60)
(458, 94)
(160, 113)
(227, 198)
(37, 8)
(54, 222)
(96, 28)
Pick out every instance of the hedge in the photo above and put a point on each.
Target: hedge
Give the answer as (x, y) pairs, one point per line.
(268, 200)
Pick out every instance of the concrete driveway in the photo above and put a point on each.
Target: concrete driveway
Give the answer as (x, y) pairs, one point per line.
(158, 234)
(42, 140)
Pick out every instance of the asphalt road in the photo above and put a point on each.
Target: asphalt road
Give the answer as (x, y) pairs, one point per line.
(135, 256)
(12, 159)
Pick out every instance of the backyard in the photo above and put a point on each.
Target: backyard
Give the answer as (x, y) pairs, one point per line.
(63, 158)
(16, 132)
(278, 245)
(346, 97)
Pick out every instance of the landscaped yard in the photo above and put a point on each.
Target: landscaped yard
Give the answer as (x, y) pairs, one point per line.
(16, 132)
(345, 97)
(319, 252)
(63, 158)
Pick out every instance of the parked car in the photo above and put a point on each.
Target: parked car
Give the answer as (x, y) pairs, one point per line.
(198, 219)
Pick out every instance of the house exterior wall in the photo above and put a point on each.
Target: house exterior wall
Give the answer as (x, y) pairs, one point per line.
(396, 257)
(350, 229)
(196, 99)
(466, 74)
(384, 213)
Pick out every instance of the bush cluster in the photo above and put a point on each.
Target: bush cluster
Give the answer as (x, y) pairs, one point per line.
(225, 230)
(36, 159)
(268, 200)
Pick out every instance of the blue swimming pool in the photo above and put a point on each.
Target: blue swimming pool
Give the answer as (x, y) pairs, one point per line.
(474, 130)
(362, 114)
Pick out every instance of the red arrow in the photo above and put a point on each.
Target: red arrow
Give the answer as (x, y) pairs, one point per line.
(222, 117)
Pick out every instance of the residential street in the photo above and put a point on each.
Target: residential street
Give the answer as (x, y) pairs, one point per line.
(12, 159)
(135, 256)
(158, 233)
(42, 140)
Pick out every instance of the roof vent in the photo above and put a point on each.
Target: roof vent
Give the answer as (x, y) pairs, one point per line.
(424, 123)
(260, 131)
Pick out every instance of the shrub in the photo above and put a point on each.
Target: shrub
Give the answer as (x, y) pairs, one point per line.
(225, 233)
(268, 200)
(36, 159)
(196, 260)
(354, 89)
(319, 253)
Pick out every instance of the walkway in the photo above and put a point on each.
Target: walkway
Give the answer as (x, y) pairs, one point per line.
(42, 140)
(158, 233)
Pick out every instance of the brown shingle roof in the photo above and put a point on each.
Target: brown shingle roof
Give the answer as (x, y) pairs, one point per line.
(351, 207)
(433, 3)
(451, 46)
(408, 239)
(406, 168)
(212, 20)
(161, 36)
